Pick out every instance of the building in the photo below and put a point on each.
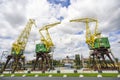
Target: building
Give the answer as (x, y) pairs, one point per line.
(68, 62)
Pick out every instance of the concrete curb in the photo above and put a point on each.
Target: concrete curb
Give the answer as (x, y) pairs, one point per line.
(24, 75)
(36, 75)
(64, 75)
(99, 75)
(118, 76)
(12, 75)
(50, 76)
(1, 75)
(81, 75)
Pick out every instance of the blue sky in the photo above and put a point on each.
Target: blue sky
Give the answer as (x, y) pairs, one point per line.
(63, 3)
(60, 18)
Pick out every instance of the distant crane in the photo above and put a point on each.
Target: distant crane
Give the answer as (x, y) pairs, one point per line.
(3, 55)
(99, 46)
(18, 47)
(45, 47)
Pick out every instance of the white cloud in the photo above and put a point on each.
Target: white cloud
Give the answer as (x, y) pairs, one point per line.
(15, 14)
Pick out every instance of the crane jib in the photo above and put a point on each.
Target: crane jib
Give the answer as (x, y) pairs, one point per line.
(19, 45)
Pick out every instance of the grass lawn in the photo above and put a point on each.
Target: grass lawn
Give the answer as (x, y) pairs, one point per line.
(61, 74)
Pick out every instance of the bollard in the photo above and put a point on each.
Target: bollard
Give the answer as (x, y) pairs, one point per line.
(43, 71)
(99, 71)
(75, 71)
(58, 71)
(118, 71)
(28, 71)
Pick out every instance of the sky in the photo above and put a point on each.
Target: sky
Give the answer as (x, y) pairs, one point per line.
(68, 38)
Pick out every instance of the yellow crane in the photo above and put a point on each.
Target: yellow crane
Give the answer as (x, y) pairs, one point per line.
(45, 47)
(47, 41)
(99, 45)
(19, 45)
(90, 37)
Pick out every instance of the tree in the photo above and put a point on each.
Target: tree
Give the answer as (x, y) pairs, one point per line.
(116, 59)
(57, 63)
(77, 61)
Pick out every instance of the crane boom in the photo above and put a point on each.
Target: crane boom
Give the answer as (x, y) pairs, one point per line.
(19, 45)
(90, 38)
(49, 26)
(47, 41)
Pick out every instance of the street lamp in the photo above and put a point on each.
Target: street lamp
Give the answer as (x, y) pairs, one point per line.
(118, 63)
(52, 51)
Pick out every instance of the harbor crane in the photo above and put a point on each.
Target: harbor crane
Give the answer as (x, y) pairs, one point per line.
(101, 57)
(18, 48)
(45, 47)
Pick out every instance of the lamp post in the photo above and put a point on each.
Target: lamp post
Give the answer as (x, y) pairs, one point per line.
(118, 64)
(52, 51)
